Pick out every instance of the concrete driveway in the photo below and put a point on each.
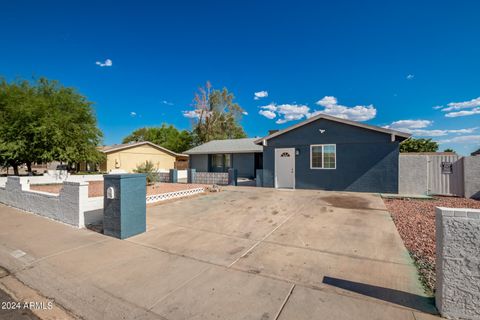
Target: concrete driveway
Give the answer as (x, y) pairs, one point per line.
(244, 253)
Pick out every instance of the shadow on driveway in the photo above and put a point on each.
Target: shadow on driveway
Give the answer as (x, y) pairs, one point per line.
(406, 299)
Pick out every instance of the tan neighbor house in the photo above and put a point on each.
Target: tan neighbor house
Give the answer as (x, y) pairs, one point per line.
(126, 157)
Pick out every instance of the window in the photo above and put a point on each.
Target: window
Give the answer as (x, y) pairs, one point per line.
(217, 160)
(221, 162)
(323, 156)
(227, 162)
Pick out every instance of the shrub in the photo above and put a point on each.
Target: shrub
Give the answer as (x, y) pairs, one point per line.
(149, 169)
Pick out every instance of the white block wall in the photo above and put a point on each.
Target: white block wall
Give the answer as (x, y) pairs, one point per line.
(457, 293)
(69, 207)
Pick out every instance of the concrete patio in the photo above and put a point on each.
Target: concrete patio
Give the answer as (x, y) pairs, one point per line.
(244, 253)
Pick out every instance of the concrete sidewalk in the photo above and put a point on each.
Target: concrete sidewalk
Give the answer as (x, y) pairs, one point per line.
(245, 253)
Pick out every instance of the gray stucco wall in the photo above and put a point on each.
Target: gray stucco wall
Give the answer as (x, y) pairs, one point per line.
(199, 162)
(245, 164)
(367, 160)
(471, 167)
(457, 294)
(413, 174)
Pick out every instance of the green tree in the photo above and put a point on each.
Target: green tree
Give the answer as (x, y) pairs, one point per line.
(166, 136)
(448, 150)
(216, 115)
(44, 121)
(418, 145)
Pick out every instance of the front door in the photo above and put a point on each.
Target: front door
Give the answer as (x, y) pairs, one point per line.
(285, 168)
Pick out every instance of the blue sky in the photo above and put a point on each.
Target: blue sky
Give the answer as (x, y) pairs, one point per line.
(377, 61)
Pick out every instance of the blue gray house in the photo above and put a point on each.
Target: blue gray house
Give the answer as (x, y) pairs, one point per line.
(322, 152)
(330, 153)
(220, 155)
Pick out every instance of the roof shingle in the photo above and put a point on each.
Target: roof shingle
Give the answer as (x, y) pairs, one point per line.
(245, 145)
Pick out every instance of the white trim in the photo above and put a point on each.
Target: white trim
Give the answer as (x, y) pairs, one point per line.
(323, 155)
(140, 143)
(293, 156)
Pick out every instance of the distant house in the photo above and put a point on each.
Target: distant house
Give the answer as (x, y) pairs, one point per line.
(126, 157)
(476, 153)
(220, 155)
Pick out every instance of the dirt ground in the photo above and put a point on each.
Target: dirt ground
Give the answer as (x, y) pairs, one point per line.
(415, 221)
(95, 188)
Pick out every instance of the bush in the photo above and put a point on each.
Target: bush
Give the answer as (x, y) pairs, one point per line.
(149, 169)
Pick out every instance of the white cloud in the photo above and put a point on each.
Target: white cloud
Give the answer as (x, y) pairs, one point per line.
(327, 101)
(267, 114)
(473, 139)
(411, 124)
(260, 94)
(291, 112)
(106, 63)
(457, 109)
(410, 76)
(167, 103)
(452, 106)
(245, 113)
(439, 133)
(463, 113)
(191, 114)
(285, 112)
(357, 113)
(133, 114)
(417, 128)
(271, 107)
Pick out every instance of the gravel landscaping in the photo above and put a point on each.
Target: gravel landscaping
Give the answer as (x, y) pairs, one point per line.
(415, 221)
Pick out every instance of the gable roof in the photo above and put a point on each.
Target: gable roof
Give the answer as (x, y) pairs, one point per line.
(245, 145)
(336, 119)
(123, 146)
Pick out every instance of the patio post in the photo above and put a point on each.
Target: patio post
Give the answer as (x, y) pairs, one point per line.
(232, 177)
(191, 175)
(173, 175)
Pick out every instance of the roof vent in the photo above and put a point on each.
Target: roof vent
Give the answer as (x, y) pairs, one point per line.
(272, 131)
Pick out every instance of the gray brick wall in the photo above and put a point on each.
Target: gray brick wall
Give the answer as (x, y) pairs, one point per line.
(164, 176)
(220, 178)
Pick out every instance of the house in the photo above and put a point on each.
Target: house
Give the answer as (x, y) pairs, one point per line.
(126, 157)
(330, 153)
(475, 153)
(323, 152)
(220, 155)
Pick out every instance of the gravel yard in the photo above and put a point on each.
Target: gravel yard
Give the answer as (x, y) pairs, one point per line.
(415, 221)
(95, 188)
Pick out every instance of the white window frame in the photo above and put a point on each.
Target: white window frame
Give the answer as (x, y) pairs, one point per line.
(323, 156)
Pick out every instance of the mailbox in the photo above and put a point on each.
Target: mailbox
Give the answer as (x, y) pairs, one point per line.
(447, 167)
(124, 205)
